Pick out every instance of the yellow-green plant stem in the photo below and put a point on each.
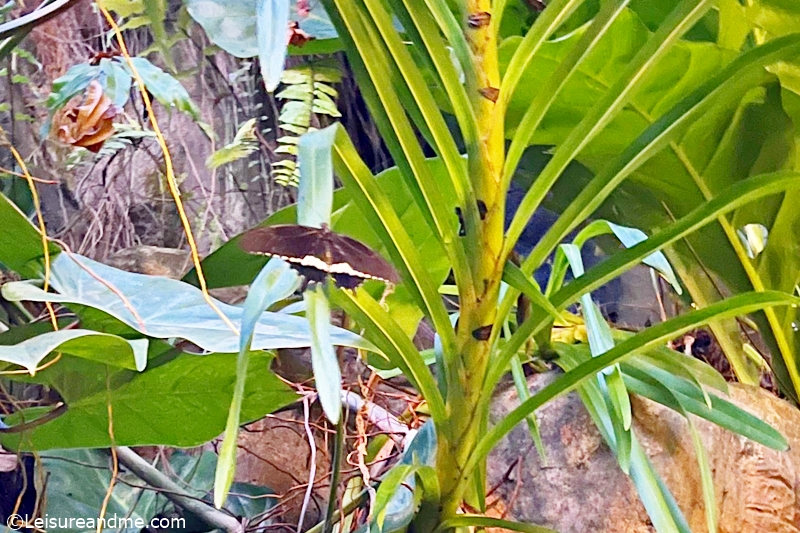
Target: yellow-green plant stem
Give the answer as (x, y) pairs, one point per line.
(485, 170)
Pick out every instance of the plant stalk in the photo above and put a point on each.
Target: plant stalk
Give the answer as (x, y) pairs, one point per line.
(478, 314)
(216, 519)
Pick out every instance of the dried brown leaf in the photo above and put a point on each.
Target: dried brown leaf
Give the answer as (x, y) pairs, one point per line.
(87, 120)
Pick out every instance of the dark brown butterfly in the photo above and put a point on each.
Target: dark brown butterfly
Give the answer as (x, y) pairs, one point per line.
(319, 253)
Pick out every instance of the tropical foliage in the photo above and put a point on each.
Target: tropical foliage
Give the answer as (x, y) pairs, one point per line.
(670, 124)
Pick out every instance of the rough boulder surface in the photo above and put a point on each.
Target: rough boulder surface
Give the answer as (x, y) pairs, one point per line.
(581, 489)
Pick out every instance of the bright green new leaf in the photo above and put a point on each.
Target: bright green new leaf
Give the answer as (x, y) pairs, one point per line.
(20, 242)
(100, 347)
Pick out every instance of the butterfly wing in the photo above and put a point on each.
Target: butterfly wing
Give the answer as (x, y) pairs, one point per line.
(363, 260)
(320, 249)
(290, 242)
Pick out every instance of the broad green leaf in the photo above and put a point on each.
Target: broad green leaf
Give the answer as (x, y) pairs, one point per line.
(686, 65)
(653, 13)
(23, 332)
(733, 25)
(694, 162)
(760, 126)
(116, 81)
(183, 402)
(166, 308)
(165, 88)
(20, 242)
(528, 47)
(76, 377)
(606, 108)
(540, 103)
(77, 482)
(773, 18)
(231, 25)
(71, 84)
(100, 347)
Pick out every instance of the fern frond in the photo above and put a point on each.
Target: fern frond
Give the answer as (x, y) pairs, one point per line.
(307, 92)
(244, 143)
